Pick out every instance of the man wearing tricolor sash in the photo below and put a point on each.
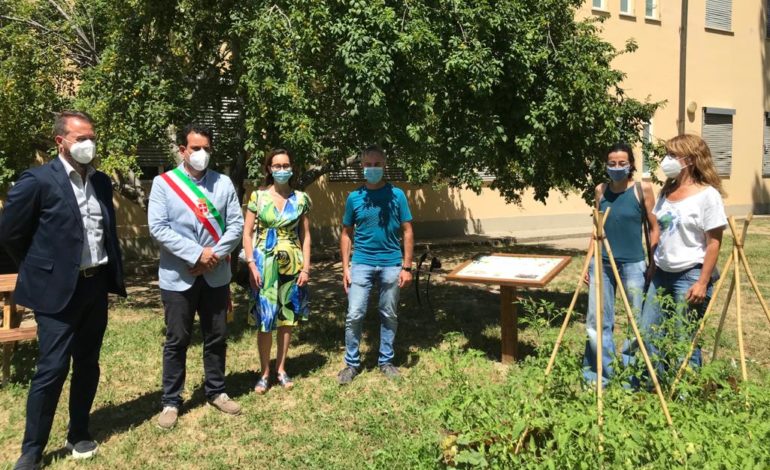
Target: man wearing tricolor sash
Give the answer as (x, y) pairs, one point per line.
(195, 216)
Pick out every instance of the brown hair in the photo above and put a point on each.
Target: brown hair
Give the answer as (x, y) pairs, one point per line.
(266, 166)
(703, 171)
(60, 121)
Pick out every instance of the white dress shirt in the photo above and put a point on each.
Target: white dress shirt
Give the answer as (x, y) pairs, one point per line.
(94, 253)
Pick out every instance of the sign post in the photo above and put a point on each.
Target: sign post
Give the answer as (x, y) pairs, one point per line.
(509, 271)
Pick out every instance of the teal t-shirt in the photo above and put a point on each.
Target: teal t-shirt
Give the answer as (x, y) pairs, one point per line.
(377, 216)
(624, 225)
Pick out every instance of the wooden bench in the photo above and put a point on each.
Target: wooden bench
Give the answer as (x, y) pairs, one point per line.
(12, 330)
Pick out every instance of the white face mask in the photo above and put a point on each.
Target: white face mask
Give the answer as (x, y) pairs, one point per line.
(199, 160)
(671, 166)
(83, 152)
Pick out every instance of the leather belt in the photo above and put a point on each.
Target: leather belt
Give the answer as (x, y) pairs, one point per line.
(91, 272)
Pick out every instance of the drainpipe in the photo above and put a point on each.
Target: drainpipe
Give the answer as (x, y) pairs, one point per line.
(682, 66)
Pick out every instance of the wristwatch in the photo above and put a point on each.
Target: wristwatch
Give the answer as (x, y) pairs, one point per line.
(407, 268)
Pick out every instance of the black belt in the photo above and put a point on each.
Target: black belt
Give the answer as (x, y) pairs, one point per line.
(91, 272)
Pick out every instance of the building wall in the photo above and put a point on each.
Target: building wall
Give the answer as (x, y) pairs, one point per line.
(725, 70)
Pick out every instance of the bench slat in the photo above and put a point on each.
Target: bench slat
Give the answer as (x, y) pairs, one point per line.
(18, 334)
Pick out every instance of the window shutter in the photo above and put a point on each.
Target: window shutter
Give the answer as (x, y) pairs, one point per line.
(152, 154)
(766, 148)
(719, 14)
(718, 134)
(355, 173)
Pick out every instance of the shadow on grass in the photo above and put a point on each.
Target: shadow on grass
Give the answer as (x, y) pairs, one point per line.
(116, 418)
(472, 310)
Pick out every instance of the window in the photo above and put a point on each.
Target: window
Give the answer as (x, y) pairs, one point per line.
(718, 134)
(719, 14)
(599, 4)
(627, 7)
(766, 148)
(646, 147)
(651, 9)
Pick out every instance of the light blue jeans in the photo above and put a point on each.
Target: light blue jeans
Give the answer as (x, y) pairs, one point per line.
(687, 317)
(363, 277)
(632, 277)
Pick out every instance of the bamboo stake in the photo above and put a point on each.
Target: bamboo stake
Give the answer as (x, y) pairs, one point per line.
(599, 305)
(746, 267)
(591, 253)
(722, 318)
(739, 238)
(571, 308)
(741, 349)
(642, 347)
(701, 327)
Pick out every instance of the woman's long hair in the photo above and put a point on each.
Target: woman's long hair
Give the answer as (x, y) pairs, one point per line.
(267, 167)
(701, 162)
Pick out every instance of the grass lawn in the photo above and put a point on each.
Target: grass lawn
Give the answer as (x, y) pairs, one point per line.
(371, 423)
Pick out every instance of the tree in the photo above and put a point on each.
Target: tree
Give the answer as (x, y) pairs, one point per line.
(516, 88)
(33, 82)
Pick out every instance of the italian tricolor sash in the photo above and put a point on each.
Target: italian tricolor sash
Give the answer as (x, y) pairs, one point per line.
(194, 198)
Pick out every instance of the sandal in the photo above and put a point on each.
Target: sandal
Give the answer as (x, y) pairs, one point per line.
(261, 387)
(285, 381)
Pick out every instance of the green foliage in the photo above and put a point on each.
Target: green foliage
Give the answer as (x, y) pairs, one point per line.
(516, 88)
(717, 424)
(33, 84)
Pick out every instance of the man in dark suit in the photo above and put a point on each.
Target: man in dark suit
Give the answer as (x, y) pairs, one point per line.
(58, 225)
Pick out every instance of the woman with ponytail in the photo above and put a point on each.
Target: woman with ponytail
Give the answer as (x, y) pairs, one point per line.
(631, 205)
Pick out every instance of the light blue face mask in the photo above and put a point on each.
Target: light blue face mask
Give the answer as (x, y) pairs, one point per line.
(282, 176)
(373, 174)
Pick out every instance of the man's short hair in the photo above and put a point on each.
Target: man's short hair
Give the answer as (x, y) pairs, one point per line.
(373, 150)
(181, 138)
(61, 118)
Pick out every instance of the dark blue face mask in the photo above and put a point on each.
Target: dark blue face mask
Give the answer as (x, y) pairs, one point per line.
(618, 174)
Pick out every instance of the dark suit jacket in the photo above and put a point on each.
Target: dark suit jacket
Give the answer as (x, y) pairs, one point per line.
(42, 230)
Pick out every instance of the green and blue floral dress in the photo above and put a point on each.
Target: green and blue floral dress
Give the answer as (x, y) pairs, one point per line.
(279, 260)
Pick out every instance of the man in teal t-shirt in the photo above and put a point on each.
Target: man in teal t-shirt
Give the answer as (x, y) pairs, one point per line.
(376, 216)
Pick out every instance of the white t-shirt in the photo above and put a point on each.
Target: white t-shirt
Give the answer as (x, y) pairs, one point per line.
(683, 226)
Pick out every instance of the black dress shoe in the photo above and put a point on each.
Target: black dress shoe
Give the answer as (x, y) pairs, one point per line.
(28, 462)
(84, 449)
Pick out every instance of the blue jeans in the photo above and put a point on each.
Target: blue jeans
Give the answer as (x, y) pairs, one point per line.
(363, 277)
(632, 277)
(687, 317)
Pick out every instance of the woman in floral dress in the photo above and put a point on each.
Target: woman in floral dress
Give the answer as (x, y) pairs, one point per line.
(279, 267)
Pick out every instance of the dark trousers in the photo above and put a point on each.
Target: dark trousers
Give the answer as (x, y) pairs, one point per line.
(180, 308)
(74, 334)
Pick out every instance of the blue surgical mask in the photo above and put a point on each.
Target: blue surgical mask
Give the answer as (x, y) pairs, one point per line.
(618, 173)
(373, 174)
(282, 176)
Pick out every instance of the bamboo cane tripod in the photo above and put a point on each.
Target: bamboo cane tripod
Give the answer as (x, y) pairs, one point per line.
(598, 242)
(738, 258)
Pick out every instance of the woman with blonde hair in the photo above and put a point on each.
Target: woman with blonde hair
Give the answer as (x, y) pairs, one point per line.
(691, 218)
